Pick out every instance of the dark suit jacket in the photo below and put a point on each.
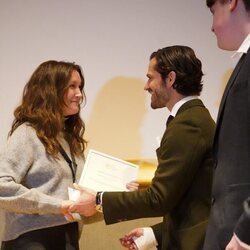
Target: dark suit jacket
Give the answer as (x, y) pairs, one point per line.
(232, 156)
(181, 188)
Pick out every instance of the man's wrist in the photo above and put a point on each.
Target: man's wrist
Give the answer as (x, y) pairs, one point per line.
(98, 201)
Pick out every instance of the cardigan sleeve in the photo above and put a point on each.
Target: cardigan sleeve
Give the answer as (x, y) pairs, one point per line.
(16, 160)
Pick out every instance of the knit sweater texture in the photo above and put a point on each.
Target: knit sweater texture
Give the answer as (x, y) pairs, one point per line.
(32, 183)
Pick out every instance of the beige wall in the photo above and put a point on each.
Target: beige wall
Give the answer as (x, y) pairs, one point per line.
(116, 117)
(112, 40)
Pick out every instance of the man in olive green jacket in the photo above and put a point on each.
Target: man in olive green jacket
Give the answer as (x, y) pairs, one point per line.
(181, 188)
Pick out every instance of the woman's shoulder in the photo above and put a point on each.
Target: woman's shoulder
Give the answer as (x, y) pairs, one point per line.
(22, 139)
(24, 129)
(24, 133)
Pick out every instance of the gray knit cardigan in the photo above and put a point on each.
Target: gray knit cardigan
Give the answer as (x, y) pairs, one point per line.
(32, 183)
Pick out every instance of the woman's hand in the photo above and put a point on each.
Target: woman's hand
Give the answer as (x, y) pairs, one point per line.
(132, 186)
(65, 210)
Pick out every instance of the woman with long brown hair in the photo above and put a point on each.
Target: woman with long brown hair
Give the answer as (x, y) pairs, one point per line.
(43, 156)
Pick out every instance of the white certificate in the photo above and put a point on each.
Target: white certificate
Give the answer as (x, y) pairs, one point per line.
(103, 172)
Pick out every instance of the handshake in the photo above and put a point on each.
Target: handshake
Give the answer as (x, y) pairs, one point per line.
(87, 201)
(85, 204)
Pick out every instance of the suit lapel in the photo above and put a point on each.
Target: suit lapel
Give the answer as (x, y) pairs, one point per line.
(230, 83)
(185, 106)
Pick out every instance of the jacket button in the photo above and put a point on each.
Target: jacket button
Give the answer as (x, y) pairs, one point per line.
(215, 164)
(212, 200)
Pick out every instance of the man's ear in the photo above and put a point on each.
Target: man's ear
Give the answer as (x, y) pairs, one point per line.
(170, 80)
(232, 5)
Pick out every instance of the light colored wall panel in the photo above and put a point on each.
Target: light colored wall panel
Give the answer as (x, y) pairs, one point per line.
(112, 40)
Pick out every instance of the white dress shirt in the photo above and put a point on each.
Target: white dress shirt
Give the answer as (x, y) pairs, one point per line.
(243, 48)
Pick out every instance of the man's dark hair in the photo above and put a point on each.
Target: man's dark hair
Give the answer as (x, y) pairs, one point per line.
(188, 68)
(210, 3)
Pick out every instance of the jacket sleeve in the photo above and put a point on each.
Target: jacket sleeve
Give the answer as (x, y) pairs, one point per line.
(242, 228)
(179, 156)
(157, 229)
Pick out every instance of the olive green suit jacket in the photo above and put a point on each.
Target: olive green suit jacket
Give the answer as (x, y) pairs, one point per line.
(181, 188)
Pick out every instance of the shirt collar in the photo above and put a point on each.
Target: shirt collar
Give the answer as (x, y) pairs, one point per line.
(243, 48)
(180, 103)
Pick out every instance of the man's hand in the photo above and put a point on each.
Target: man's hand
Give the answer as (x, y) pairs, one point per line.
(86, 203)
(234, 245)
(128, 240)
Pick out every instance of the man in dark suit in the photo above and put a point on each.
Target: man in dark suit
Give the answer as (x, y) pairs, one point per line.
(229, 224)
(181, 188)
